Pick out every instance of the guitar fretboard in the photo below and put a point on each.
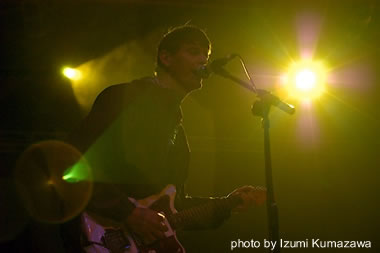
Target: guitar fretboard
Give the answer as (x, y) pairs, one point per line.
(203, 213)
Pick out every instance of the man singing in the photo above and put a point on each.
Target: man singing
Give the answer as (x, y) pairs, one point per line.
(134, 140)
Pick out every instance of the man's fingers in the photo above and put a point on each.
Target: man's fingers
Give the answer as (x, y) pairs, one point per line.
(149, 238)
(158, 222)
(253, 197)
(246, 188)
(158, 234)
(159, 226)
(155, 217)
(151, 235)
(148, 224)
(250, 195)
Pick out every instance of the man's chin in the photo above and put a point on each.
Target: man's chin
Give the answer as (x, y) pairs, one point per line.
(194, 86)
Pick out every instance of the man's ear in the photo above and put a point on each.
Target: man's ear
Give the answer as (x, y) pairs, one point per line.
(165, 58)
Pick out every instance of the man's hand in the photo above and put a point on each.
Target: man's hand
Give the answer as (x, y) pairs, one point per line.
(250, 195)
(147, 224)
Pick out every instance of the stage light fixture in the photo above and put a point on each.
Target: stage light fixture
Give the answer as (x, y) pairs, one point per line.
(71, 73)
(306, 80)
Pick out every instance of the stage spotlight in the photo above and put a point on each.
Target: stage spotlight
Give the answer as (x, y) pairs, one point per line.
(72, 74)
(306, 80)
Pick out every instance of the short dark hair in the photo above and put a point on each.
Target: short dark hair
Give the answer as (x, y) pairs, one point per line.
(179, 35)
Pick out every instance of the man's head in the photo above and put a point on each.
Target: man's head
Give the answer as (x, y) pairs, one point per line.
(181, 52)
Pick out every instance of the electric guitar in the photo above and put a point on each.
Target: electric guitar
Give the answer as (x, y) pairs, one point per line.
(106, 237)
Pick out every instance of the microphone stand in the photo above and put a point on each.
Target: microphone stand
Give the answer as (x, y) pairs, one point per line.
(261, 108)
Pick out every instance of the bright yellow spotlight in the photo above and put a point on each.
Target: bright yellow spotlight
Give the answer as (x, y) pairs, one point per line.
(71, 73)
(306, 80)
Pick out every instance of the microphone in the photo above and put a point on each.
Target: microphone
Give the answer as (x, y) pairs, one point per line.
(269, 98)
(214, 67)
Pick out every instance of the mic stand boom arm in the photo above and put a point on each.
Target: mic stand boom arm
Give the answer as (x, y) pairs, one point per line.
(265, 96)
(261, 108)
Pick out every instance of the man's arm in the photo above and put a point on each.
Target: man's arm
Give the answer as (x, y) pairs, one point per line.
(218, 212)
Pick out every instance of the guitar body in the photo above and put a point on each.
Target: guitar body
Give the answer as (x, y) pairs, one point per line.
(107, 237)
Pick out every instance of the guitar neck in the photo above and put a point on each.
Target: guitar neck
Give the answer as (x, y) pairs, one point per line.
(204, 212)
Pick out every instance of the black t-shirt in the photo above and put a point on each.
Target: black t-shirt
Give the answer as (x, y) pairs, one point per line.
(135, 143)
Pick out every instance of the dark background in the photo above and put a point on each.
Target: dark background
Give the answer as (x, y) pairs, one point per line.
(325, 159)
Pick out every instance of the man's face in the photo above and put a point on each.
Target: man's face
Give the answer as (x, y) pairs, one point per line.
(184, 63)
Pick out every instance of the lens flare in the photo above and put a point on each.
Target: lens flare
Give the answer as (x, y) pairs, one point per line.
(38, 178)
(306, 80)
